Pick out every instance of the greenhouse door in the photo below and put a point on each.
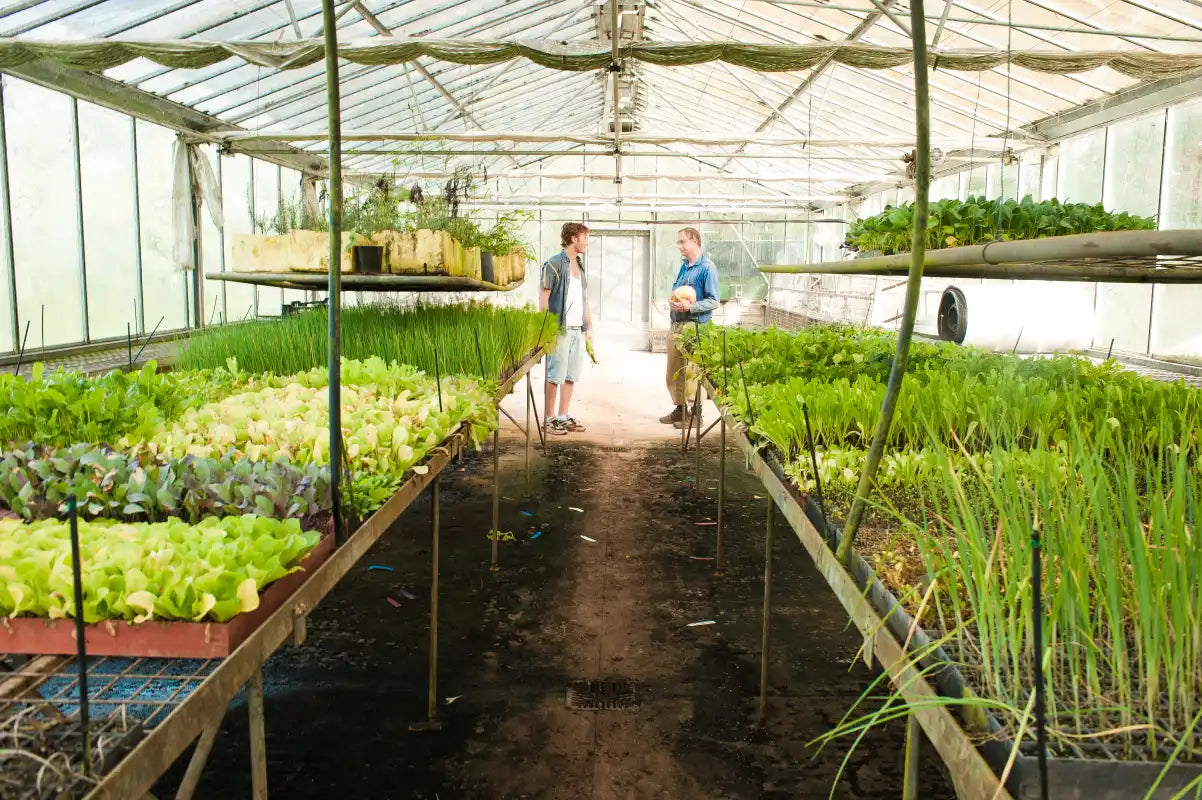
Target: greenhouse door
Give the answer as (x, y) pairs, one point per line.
(618, 265)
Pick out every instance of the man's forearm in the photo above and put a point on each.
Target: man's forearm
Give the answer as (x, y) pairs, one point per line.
(544, 297)
(704, 305)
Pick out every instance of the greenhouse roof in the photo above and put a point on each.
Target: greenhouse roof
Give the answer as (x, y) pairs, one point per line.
(804, 133)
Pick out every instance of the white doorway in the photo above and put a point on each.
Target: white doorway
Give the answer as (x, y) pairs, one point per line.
(619, 268)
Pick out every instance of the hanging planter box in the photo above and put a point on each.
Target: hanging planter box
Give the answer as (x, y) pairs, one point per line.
(158, 638)
(422, 252)
(295, 251)
(472, 266)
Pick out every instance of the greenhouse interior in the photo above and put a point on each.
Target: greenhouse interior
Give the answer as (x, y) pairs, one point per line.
(336, 345)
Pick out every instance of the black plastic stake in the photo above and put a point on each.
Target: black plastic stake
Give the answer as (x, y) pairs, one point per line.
(805, 413)
(725, 371)
(81, 649)
(747, 394)
(479, 355)
(148, 338)
(1041, 734)
(21, 352)
(1110, 349)
(1014, 349)
(438, 379)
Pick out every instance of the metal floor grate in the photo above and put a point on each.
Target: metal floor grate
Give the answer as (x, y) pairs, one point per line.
(603, 696)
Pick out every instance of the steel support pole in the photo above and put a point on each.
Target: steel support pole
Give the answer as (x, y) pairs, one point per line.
(258, 743)
(721, 494)
(432, 723)
(79, 232)
(765, 642)
(496, 496)
(913, 741)
(697, 442)
(196, 764)
(542, 436)
(529, 403)
(10, 261)
(335, 283)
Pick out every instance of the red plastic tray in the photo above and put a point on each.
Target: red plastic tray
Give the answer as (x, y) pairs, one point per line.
(157, 638)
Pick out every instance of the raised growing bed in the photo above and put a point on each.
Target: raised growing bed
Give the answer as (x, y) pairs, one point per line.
(877, 613)
(158, 638)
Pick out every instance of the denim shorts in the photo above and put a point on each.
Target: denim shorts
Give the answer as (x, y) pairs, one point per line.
(567, 361)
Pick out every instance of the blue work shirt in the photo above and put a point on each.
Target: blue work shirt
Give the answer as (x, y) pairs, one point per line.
(703, 277)
(556, 271)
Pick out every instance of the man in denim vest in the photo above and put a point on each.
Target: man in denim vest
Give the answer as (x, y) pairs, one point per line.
(564, 291)
(700, 274)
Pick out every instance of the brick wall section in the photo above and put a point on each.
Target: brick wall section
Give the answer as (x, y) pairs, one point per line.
(786, 320)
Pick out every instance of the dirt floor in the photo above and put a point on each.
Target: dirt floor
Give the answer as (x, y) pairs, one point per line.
(563, 609)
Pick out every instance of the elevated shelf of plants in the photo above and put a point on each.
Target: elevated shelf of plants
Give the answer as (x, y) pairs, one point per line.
(155, 686)
(360, 282)
(1142, 256)
(973, 733)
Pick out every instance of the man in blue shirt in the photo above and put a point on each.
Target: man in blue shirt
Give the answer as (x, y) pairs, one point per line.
(700, 274)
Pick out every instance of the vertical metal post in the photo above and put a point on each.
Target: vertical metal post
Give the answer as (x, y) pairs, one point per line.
(198, 299)
(81, 648)
(897, 370)
(697, 442)
(79, 238)
(432, 696)
(335, 285)
(721, 492)
(225, 311)
(913, 742)
(765, 643)
(196, 764)
(258, 743)
(529, 402)
(496, 494)
(139, 300)
(9, 255)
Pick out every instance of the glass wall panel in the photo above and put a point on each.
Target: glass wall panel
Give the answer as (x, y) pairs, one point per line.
(1174, 327)
(45, 229)
(212, 254)
(6, 305)
(1008, 182)
(1082, 161)
(163, 287)
(1030, 178)
(290, 193)
(235, 202)
(947, 187)
(976, 182)
(266, 202)
(1133, 160)
(1048, 174)
(110, 236)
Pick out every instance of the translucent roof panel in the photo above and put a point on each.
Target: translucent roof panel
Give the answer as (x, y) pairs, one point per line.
(834, 102)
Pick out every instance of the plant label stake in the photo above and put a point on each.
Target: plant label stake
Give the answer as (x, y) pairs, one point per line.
(1110, 349)
(148, 338)
(1041, 735)
(81, 648)
(129, 347)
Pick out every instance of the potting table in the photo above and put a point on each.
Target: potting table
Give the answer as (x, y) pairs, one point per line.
(363, 282)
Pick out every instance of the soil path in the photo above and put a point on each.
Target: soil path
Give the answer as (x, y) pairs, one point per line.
(565, 609)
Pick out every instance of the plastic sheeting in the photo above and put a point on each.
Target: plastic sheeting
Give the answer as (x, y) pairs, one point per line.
(102, 55)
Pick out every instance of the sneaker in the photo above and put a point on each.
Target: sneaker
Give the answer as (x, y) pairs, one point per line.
(554, 427)
(572, 425)
(686, 421)
(676, 416)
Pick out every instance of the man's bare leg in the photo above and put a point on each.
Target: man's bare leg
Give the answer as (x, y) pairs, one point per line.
(565, 397)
